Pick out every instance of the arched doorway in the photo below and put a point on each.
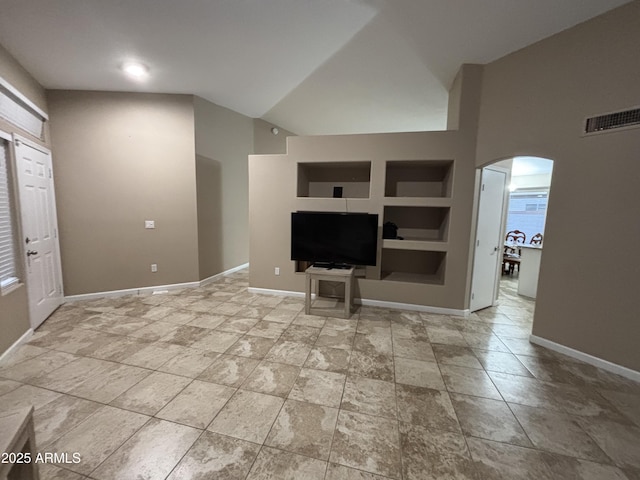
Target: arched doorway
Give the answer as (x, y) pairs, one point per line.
(520, 204)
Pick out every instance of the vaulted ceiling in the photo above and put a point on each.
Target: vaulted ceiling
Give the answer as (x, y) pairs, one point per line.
(310, 66)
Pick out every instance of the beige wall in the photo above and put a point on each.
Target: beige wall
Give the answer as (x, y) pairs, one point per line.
(272, 198)
(223, 140)
(264, 141)
(14, 308)
(534, 102)
(121, 159)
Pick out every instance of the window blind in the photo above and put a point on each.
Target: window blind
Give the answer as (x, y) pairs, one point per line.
(20, 111)
(8, 274)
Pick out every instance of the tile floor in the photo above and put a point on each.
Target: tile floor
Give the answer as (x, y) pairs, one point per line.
(219, 383)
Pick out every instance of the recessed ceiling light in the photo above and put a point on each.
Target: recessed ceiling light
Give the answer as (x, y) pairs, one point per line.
(135, 70)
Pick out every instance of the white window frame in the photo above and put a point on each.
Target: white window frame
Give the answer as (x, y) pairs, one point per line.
(9, 268)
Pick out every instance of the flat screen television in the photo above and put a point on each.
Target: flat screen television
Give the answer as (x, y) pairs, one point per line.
(334, 239)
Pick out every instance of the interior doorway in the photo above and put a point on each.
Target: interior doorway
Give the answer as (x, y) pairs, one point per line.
(525, 208)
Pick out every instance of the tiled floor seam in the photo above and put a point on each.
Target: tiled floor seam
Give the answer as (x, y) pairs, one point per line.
(395, 394)
(118, 447)
(185, 453)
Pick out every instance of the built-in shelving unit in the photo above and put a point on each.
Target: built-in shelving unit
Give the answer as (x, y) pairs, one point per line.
(318, 180)
(416, 195)
(417, 198)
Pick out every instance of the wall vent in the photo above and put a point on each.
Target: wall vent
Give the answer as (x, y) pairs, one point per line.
(611, 121)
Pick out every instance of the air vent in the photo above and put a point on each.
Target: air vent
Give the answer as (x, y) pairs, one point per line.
(611, 121)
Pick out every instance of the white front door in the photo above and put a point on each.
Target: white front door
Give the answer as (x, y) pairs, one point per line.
(488, 248)
(39, 229)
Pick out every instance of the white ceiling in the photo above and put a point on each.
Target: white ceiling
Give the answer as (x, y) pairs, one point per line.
(310, 66)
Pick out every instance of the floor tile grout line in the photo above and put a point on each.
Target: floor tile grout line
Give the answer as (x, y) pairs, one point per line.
(185, 454)
(448, 392)
(335, 427)
(395, 398)
(119, 446)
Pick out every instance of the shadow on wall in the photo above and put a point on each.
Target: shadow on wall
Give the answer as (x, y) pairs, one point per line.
(209, 197)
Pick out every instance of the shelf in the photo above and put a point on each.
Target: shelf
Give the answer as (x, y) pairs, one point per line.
(419, 223)
(412, 278)
(417, 202)
(318, 180)
(300, 266)
(413, 266)
(415, 244)
(321, 204)
(418, 178)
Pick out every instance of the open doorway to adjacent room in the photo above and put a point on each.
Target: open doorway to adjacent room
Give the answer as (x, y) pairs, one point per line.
(520, 203)
(528, 201)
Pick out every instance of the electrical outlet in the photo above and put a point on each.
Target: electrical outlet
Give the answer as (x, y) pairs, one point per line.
(277, 272)
(154, 267)
(149, 224)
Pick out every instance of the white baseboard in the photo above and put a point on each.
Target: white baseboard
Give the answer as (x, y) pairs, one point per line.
(370, 303)
(217, 276)
(586, 358)
(23, 339)
(278, 293)
(157, 289)
(413, 306)
(131, 291)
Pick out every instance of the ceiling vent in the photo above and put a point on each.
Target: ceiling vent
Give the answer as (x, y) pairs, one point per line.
(613, 121)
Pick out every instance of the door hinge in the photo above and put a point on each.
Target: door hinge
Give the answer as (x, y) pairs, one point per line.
(483, 187)
(16, 142)
(55, 233)
(477, 243)
(50, 174)
(473, 296)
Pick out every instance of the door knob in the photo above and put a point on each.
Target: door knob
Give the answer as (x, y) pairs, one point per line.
(31, 252)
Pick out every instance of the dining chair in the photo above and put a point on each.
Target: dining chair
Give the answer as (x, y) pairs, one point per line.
(536, 239)
(511, 256)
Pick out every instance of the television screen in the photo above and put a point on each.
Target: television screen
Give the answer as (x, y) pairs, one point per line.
(334, 238)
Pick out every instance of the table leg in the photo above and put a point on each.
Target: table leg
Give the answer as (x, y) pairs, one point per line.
(347, 298)
(307, 295)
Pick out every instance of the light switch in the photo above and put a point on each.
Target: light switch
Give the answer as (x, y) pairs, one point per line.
(149, 224)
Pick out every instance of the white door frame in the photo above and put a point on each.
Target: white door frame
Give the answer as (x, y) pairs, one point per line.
(497, 274)
(17, 140)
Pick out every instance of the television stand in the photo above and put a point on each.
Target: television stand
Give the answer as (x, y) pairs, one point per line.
(331, 266)
(334, 274)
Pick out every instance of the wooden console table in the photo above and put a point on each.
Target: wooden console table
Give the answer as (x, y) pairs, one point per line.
(334, 275)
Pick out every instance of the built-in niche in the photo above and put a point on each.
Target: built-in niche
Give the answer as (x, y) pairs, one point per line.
(413, 266)
(323, 180)
(419, 178)
(419, 223)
